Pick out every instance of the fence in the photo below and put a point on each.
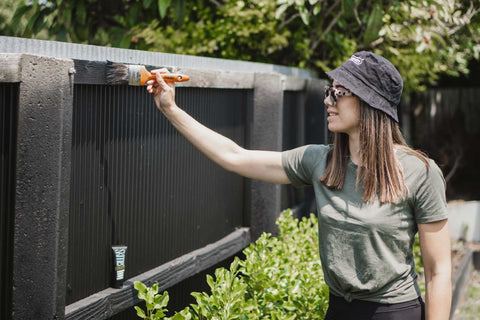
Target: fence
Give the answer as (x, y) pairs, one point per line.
(86, 166)
(444, 123)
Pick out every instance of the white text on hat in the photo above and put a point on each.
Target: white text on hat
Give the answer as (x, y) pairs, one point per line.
(357, 60)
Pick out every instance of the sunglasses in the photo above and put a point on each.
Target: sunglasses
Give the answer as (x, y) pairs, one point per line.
(334, 94)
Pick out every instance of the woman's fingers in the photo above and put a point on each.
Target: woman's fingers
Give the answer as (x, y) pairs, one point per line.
(164, 93)
(160, 80)
(162, 70)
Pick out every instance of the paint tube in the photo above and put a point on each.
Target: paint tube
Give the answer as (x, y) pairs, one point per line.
(119, 254)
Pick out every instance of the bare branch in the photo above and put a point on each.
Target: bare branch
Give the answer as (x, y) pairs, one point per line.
(335, 5)
(377, 42)
(215, 2)
(456, 164)
(286, 22)
(331, 24)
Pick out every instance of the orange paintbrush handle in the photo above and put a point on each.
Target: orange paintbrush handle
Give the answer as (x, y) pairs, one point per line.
(175, 77)
(172, 77)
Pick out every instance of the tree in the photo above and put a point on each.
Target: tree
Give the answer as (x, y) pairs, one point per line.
(423, 38)
(106, 22)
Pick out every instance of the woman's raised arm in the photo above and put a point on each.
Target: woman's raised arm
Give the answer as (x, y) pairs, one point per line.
(261, 165)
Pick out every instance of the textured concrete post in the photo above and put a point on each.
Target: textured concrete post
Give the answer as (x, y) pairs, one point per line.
(316, 120)
(265, 134)
(42, 185)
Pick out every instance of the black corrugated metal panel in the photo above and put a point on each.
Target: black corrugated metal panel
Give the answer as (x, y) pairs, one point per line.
(8, 139)
(136, 181)
(293, 136)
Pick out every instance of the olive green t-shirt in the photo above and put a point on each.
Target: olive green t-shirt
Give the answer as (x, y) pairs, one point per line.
(366, 249)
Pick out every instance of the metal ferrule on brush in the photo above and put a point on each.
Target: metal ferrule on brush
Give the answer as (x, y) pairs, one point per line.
(134, 75)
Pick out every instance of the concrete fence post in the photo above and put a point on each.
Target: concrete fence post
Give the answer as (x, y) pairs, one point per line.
(265, 133)
(42, 183)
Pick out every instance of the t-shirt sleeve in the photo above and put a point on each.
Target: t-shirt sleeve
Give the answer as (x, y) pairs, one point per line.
(430, 200)
(299, 163)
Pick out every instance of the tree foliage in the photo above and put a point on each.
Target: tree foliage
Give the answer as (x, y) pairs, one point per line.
(106, 22)
(423, 38)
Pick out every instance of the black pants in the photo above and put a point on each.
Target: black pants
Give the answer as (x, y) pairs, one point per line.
(340, 309)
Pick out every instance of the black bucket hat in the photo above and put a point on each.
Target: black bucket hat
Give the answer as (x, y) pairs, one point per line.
(373, 79)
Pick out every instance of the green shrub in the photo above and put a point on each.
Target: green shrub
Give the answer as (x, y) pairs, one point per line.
(280, 278)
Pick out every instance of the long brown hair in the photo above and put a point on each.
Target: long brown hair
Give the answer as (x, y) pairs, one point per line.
(380, 172)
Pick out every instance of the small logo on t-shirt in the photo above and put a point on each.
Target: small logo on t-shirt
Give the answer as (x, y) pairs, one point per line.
(357, 60)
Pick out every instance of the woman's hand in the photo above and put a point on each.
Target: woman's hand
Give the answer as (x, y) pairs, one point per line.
(164, 93)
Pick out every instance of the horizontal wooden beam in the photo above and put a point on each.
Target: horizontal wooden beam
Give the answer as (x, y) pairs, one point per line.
(294, 84)
(223, 79)
(108, 302)
(10, 67)
(93, 72)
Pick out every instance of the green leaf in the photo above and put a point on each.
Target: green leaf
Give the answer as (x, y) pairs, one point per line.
(19, 13)
(179, 316)
(81, 13)
(374, 24)
(140, 312)
(140, 286)
(67, 17)
(210, 282)
(162, 7)
(165, 298)
(39, 24)
(29, 28)
(348, 8)
(304, 15)
(280, 10)
(62, 34)
(133, 14)
(147, 3)
(180, 9)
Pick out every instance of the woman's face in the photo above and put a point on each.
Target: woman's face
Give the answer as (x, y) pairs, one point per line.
(345, 115)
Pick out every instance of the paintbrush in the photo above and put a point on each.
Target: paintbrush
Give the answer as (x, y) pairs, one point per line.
(136, 75)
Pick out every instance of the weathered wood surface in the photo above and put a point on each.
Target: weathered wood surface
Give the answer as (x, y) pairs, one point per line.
(10, 67)
(294, 83)
(93, 72)
(111, 301)
(205, 78)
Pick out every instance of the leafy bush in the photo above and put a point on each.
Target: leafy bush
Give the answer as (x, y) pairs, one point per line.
(280, 278)
(423, 39)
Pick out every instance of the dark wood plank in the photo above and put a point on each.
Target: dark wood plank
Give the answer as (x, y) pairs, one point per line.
(108, 302)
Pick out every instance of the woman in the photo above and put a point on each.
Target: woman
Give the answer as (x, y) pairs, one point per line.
(373, 194)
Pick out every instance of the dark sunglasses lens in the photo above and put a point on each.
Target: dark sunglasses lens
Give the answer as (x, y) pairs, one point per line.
(329, 93)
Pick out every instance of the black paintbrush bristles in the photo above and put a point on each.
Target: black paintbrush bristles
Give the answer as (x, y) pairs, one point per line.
(116, 73)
